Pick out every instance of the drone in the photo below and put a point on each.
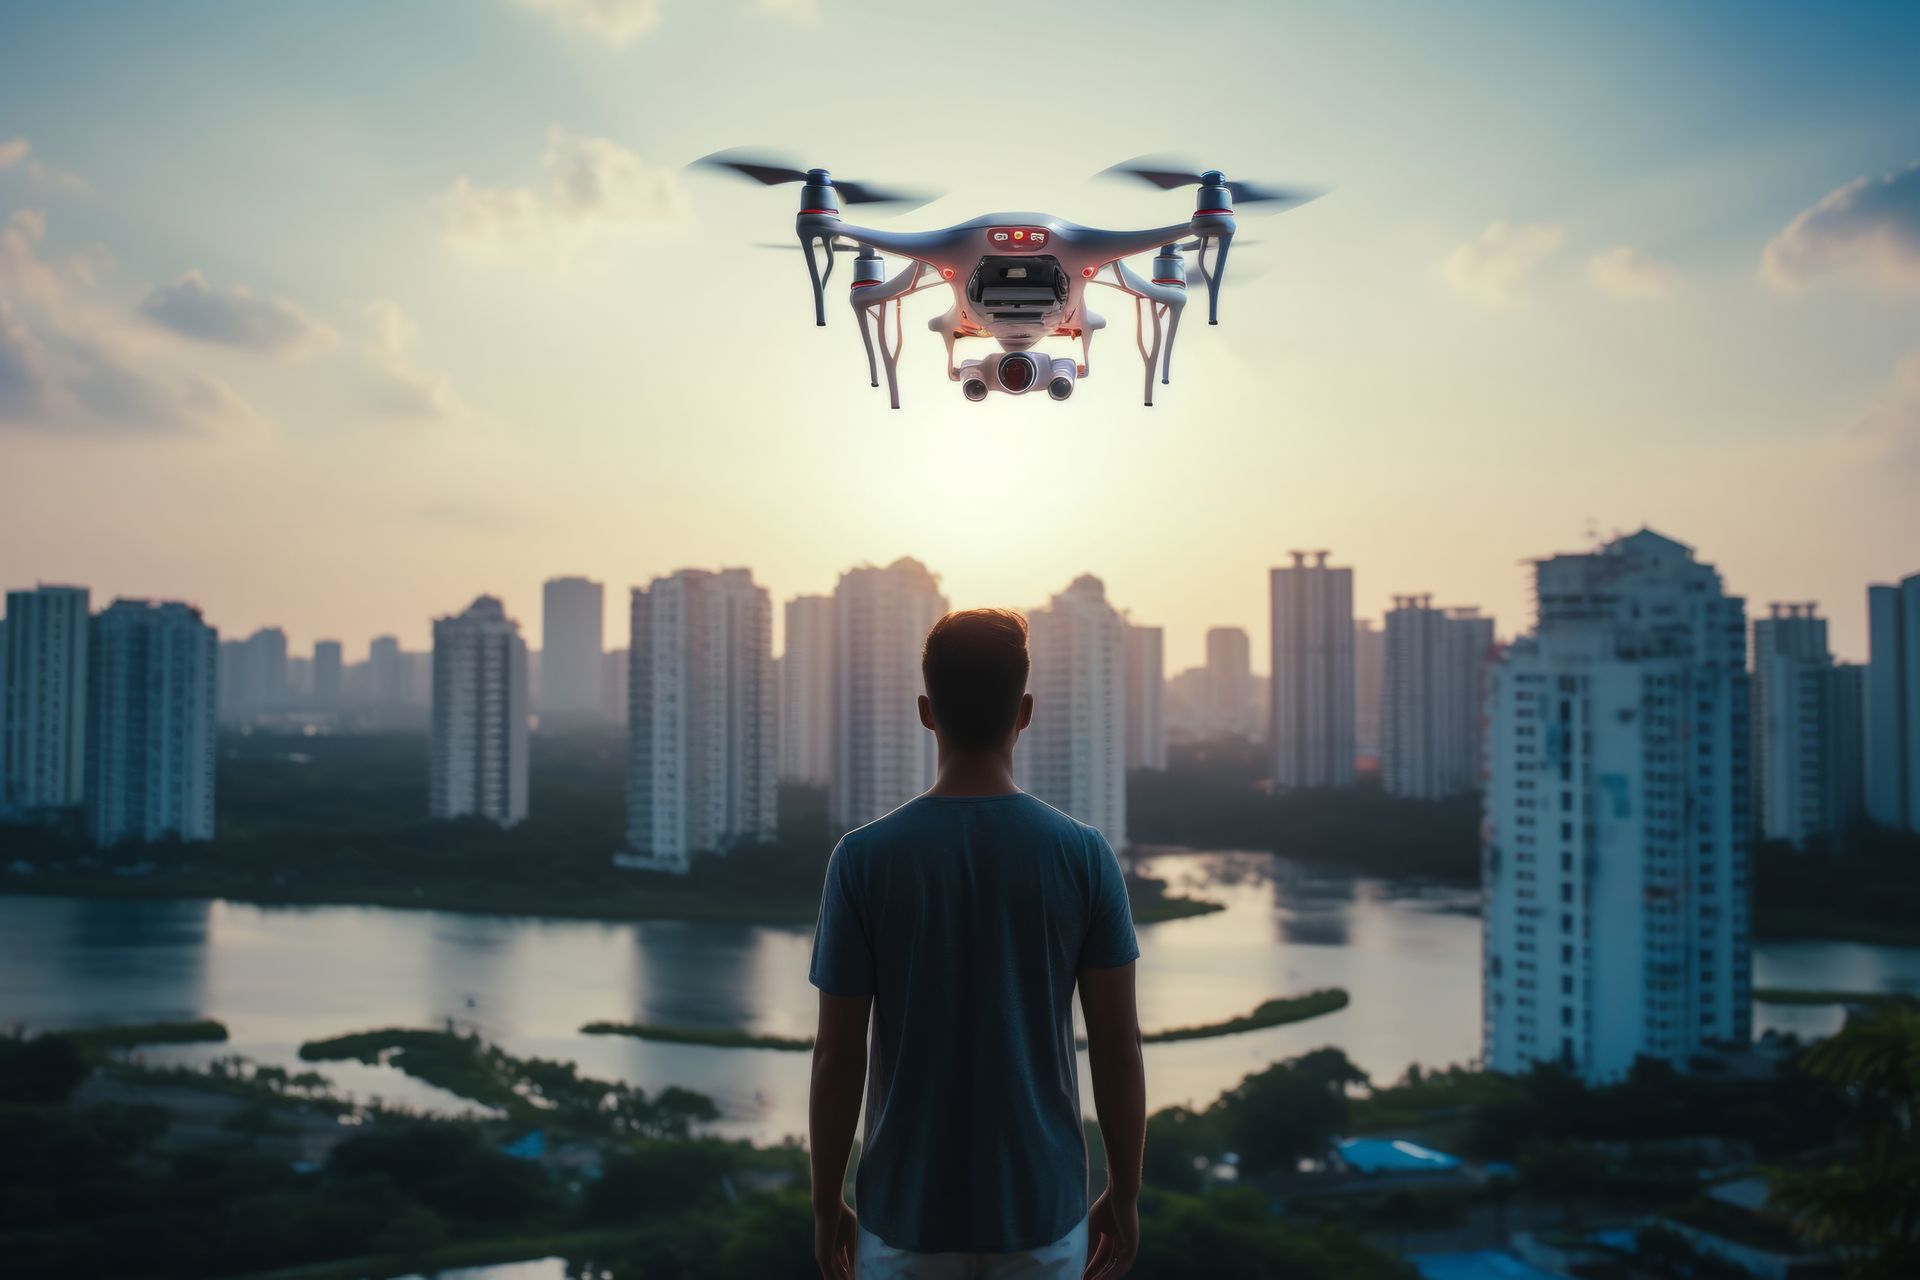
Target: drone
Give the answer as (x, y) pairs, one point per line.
(1016, 278)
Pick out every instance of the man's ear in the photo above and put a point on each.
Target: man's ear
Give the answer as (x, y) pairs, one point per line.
(926, 712)
(1025, 718)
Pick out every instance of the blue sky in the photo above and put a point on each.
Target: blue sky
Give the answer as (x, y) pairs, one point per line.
(308, 325)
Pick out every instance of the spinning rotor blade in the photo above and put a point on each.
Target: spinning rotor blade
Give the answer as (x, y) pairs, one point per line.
(774, 171)
(1171, 174)
(839, 246)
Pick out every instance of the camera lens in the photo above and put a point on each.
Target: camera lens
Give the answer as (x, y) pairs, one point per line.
(1060, 388)
(974, 389)
(1017, 373)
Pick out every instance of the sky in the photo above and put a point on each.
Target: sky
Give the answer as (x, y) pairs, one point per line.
(334, 316)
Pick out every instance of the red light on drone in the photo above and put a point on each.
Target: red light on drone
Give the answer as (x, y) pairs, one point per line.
(1019, 235)
(946, 273)
(1088, 271)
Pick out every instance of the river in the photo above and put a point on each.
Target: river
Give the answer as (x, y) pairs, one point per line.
(276, 976)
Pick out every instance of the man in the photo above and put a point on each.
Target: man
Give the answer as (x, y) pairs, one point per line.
(960, 923)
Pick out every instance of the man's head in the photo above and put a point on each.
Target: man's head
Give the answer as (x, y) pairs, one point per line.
(975, 666)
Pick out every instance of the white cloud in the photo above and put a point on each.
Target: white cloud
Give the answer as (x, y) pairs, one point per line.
(1867, 232)
(394, 388)
(1625, 272)
(1890, 432)
(618, 22)
(589, 185)
(232, 317)
(1494, 268)
(16, 149)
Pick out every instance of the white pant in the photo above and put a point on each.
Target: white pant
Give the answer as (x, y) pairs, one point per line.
(1064, 1259)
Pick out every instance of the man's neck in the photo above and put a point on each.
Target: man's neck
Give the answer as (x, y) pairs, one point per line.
(975, 773)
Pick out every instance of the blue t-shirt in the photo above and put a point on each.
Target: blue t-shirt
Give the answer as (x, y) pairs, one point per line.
(967, 919)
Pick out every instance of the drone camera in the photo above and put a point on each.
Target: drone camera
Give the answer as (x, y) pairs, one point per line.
(974, 389)
(1065, 376)
(1018, 372)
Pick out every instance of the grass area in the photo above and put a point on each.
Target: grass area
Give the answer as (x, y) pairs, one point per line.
(1271, 1013)
(712, 1037)
(1860, 999)
(447, 1061)
(100, 1041)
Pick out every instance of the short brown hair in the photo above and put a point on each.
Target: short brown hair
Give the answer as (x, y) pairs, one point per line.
(975, 664)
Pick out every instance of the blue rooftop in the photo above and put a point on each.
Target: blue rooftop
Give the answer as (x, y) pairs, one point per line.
(1381, 1155)
(1485, 1264)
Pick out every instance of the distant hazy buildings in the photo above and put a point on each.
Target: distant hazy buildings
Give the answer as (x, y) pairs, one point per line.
(883, 757)
(387, 682)
(572, 640)
(700, 775)
(328, 671)
(252, 677)
(1369, 674)
(806, 692)
(1312, 684)
(1146, 698)
(1893, 704)
(1074, 756)
(1847, 757)
(480, 707)
(1230, 681)
(150, 723)
(43, 700)
(1430, 700)
(1794, 728)
(614, 685)
(1615, 864)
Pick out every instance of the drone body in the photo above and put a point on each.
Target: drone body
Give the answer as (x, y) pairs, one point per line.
(1015, 278)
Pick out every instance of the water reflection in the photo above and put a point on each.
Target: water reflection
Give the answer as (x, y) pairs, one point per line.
(1409, 956)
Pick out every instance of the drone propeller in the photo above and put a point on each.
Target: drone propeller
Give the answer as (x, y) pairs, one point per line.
(773, 171)
(1170, 174)
(839, 246)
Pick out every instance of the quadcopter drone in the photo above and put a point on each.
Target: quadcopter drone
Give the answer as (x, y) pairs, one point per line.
(1016, 278)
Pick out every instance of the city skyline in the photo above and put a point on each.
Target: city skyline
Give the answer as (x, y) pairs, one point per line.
(381, 328)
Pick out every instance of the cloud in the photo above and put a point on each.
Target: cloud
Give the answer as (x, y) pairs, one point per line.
(1493, 268)
(1867, 231)
(16, 149)
(618, 22)
(394, 388)
(1890, 431)
(70, 363)
(1625, 272)
(590, 185)
(232, 317)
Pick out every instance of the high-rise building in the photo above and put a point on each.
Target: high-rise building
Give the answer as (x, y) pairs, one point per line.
(1618, 812)
(806, 692)
(882, 755)
(327, 671)
(150, 723)
(1074, 756)
(1847, 745)
(43, 700)
(1146, 698)
(1186, 706)
(1230, 681)
(1430, 700)
(700, 772)
(480, 739)
(572, 640)
(252, 680)
(1312, 691)
(1893, 704)
(386, 673)
(1792, 720)
(614, 685)
(1369, 673)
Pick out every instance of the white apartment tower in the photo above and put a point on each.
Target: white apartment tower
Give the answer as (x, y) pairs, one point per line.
(1146, 698)
(1792, 721)
(150, 723)
(1229, 707)
(480, 739)
(1893, 704)
(1369, 673)
(43, 700)
(806, 692)
(700, 768)
(1074, 756)
(1312, 691)
(572, 642)
(1615, 849)
(1432, 681)
(882, 755)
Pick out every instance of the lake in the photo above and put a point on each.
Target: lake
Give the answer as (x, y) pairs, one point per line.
(277, 976)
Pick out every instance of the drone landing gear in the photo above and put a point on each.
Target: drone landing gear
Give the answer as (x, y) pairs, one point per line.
(817, 272)
(873, 332)
(1152, 355)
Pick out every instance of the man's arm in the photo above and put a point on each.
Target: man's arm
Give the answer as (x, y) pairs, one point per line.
(1120, 1101)
(839, 1078)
